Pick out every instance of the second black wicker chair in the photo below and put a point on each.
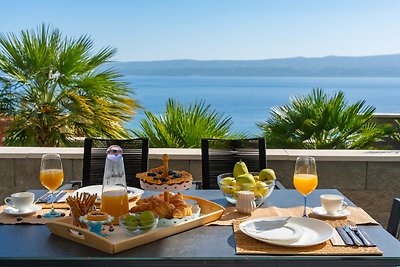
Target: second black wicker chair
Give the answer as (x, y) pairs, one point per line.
(135, 154)
(220, 155)
(394, 219)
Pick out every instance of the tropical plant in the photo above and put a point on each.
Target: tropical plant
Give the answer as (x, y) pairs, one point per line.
(183, 126)
(54, 89)
(325, 122)
(396, 134)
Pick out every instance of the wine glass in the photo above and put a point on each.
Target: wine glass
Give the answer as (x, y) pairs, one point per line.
(305, 177)
(51, 177)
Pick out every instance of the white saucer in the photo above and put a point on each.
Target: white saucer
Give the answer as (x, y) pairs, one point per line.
(320, 211)
(13, 211)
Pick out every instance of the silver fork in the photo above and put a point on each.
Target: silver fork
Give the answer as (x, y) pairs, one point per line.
(354, 228)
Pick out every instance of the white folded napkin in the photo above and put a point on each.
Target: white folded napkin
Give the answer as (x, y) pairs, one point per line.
(277, 230)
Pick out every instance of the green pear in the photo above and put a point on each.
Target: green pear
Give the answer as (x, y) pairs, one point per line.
(239, 169)
(146, 220)
(131, 222)
(246, 180)
(266, 175)
(260, 189)
(228, 185)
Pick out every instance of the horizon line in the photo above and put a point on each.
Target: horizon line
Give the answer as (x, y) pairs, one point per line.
(282, 58)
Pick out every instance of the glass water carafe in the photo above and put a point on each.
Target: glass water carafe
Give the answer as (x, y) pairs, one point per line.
(114, 197)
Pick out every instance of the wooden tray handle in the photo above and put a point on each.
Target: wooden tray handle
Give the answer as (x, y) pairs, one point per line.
(80, 235)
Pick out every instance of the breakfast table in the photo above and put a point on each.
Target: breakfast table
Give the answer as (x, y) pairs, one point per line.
(207, 245)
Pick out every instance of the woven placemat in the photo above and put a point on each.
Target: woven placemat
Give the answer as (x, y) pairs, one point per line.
(248, 245)
(29, 219)
(358, 215)
(33, 219)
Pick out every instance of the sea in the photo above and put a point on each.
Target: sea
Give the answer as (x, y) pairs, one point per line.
(248, 100)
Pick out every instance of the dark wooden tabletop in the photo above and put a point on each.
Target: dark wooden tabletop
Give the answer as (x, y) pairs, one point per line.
(24, 245)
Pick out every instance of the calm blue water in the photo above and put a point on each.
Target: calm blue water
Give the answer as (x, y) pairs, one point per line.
(249, 99)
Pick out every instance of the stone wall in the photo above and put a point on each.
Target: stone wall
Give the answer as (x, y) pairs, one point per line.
(368, 178)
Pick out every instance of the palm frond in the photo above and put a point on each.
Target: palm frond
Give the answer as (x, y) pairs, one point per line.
(184, 126)
(60, 89)
(318, 120)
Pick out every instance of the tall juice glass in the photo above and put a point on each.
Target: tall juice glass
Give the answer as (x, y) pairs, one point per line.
(114, 197)
(51, 177)
(305, 178)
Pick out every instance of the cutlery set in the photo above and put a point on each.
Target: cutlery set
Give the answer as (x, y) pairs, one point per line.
(48, 197)
(353, 236)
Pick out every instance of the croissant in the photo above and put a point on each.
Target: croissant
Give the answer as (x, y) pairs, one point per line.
(164, 210)
(177, 196)
(177, 202)
(141, 207)
(168, 196)
(182, 211)
(141, 201)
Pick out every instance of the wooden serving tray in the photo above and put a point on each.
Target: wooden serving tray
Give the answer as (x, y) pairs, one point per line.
(119, 240)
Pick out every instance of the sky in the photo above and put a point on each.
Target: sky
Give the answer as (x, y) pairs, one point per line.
(147, 30)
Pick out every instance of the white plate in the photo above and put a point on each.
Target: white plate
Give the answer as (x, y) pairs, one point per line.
(169, 222)
(314, 231)
(320, 211)
(13, 211)
(96, 189)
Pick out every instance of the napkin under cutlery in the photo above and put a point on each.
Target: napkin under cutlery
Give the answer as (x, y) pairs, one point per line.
(351, 237)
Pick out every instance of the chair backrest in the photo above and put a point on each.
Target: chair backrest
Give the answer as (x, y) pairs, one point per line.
(135, 154)
(394, 219)
(220, 155)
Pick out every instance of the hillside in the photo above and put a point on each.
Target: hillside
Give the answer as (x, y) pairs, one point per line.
(332, 66)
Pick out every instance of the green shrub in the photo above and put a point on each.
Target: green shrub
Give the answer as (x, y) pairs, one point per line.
(319, 121)
(183, 126)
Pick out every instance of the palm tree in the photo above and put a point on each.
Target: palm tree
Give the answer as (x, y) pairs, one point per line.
(54, 89)
(184, 126)
(319, 121)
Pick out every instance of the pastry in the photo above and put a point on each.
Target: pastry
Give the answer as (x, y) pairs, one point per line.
(182, 211)
(97, 216)
(163, 176)
(165, 205)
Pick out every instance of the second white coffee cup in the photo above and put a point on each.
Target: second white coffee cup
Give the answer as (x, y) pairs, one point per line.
(333, 203)
(21, 201)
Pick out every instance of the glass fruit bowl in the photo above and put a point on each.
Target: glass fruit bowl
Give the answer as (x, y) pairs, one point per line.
(229, 186)
(138, 223)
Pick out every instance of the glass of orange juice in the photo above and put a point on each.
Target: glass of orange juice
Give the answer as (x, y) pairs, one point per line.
(114, 201)
(51, 176)
(305, 177)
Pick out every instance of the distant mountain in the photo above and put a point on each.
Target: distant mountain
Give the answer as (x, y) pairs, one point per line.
(331, 66)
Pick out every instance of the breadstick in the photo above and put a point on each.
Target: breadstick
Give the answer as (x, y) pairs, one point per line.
(80, 205)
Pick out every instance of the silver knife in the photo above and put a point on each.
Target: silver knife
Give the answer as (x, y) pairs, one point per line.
(362, 237)
(353, 236)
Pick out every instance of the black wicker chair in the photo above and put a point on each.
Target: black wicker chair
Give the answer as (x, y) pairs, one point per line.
(135, 154)
(394, 219)
(220, 155)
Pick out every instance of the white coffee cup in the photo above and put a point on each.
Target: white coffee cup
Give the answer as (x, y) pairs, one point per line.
(21, 201)
(333, 203)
